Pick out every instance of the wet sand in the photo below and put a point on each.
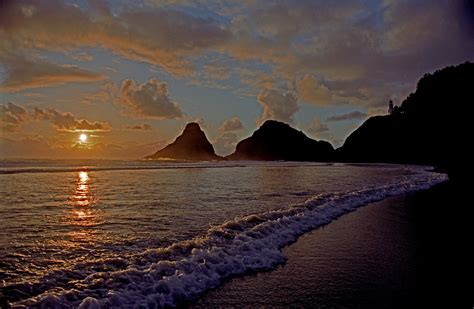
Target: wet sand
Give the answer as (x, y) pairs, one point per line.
(408, 250)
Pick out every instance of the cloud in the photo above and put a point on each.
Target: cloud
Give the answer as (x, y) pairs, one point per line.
(23, 73)
(12, 116)
(233, 124)
(378, 44)
(38, 146)
(348, 116)
(29, 146)
(139, 127)
(377, 111)
(163, 37)
(316, 127)
(82, 56)
(67, 121)
(100, 96)
(277, 105)
(148, 100)
(216, 71)
(376, 49)
(225, 144)
(106, 92)
(312, 91)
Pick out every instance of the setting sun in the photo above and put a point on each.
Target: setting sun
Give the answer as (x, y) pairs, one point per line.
(83, 137)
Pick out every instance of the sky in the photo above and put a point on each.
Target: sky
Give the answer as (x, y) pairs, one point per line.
(131, 74)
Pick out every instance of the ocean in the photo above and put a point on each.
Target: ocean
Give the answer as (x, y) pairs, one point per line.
(156, 234)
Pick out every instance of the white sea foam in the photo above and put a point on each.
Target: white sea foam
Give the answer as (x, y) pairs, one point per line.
(169, 276)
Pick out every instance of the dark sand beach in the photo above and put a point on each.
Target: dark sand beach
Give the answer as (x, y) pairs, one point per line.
(406, 250)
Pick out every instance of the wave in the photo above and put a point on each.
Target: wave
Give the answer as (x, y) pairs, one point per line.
(181, 272)
(157, 166)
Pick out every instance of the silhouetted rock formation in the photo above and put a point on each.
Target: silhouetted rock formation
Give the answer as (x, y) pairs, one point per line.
(430, 127)
(278, 141)
(191, 145)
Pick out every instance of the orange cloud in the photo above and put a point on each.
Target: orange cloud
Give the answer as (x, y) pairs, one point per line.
(82, 56)
(216, 71)
(12, 116)
(106, 93)
(312, 91)
(25, 73)
(40, 147)
(67, 121)
(233, 124)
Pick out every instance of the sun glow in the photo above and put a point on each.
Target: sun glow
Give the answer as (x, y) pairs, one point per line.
(83, 137)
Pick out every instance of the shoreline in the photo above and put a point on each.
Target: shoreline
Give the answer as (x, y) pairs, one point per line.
(392, 253)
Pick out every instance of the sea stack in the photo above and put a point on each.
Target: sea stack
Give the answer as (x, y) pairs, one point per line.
(276, 140)
(191, 145)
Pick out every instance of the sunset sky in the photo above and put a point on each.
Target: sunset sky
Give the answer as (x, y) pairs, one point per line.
(131, 74)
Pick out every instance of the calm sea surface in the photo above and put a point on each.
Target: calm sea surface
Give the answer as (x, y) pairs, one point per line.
(117, 233)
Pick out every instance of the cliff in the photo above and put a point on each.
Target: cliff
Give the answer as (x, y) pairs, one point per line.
(432, 125)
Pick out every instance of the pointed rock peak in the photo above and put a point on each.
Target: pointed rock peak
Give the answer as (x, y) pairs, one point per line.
(274, 123)
(192, 126)
(191, 145)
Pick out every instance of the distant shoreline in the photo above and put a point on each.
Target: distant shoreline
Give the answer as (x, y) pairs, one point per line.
(9, 170)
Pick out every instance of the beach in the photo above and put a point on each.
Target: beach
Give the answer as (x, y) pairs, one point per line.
(394, 253)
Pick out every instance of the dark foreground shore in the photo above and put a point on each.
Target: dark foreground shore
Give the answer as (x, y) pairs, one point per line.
(408, 250)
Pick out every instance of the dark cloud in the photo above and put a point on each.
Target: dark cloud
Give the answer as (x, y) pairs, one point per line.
(377, 49)
(233, 124)
(139, 127)
(67, 121)
(148, 100)
(348, 116)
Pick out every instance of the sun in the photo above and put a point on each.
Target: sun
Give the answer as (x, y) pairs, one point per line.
(83, 137)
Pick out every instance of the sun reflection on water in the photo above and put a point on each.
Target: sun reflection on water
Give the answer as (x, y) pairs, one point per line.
(83, 215)
(83, 195)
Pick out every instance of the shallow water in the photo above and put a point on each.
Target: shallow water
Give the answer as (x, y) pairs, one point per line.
(118, 233)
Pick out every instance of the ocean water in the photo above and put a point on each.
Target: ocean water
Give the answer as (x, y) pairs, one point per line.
(121, 233)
